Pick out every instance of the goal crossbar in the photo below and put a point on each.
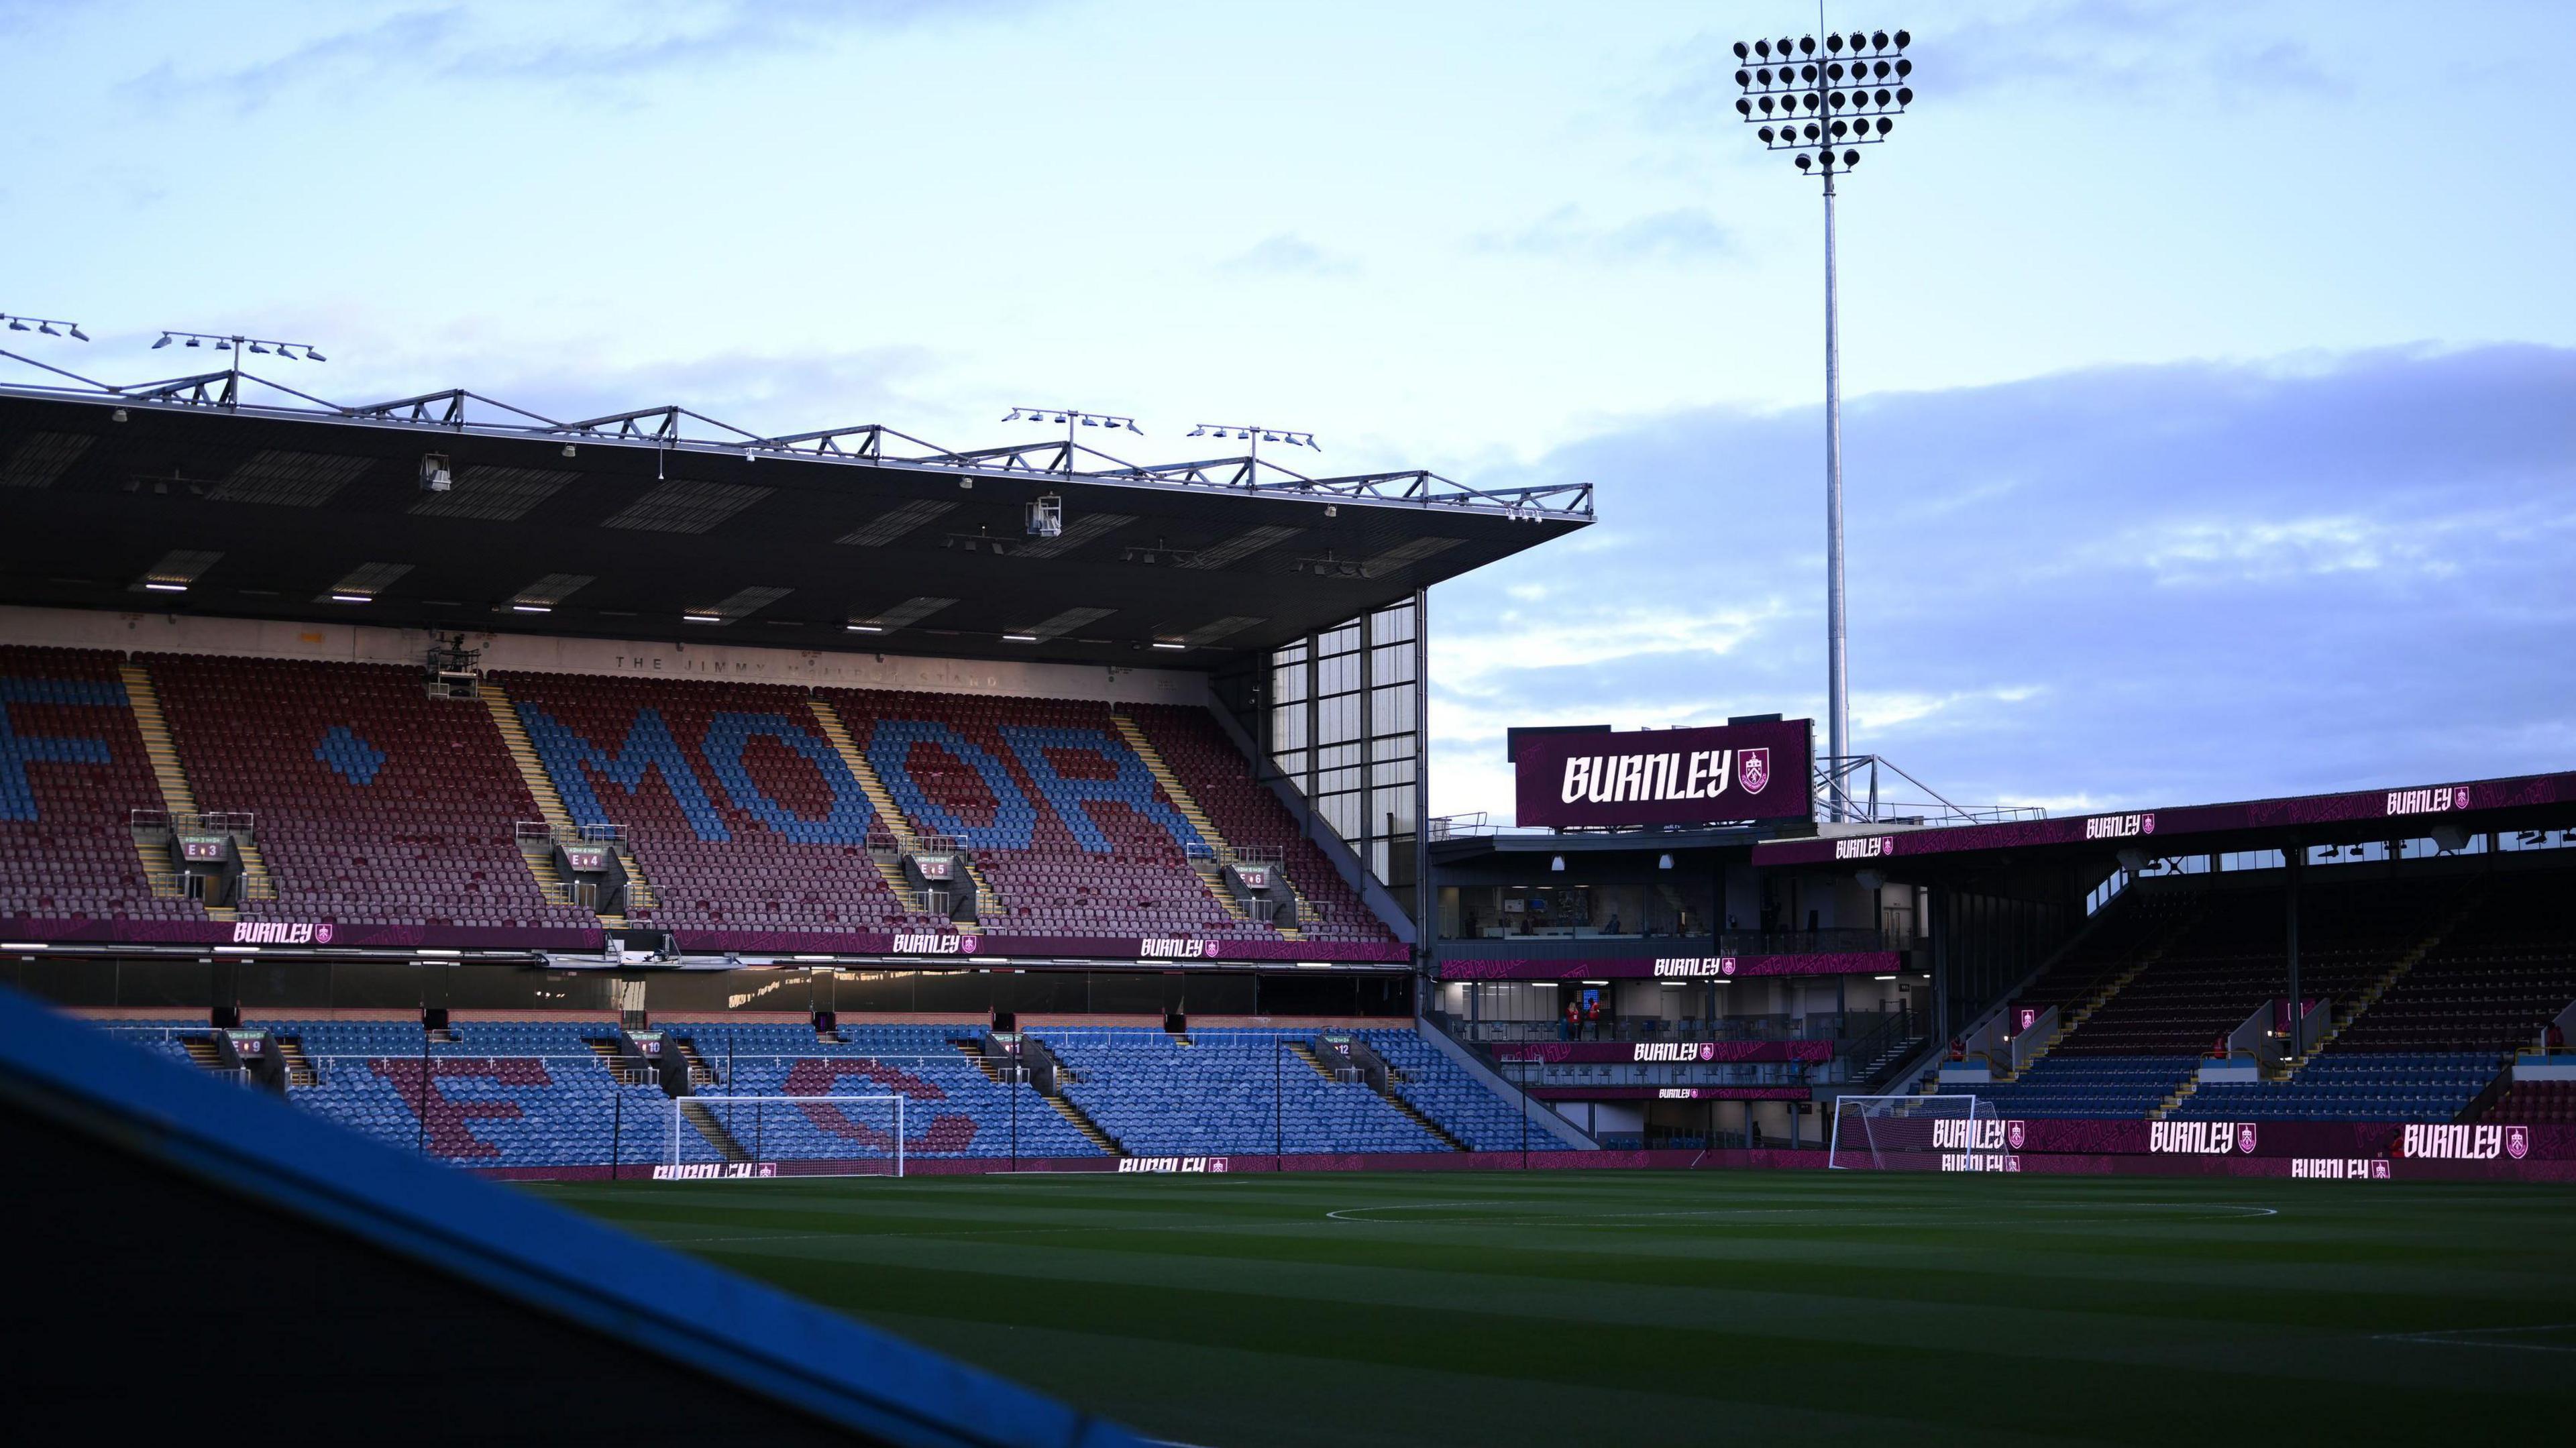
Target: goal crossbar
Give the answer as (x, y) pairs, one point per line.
(1917, 1133)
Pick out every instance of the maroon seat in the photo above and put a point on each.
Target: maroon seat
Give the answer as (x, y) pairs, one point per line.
(1251, 817)
(373, 803)
(67, 849)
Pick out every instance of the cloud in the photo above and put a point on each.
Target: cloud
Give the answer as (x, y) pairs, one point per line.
(2144, 585)
(1286, 254)
(568, 47)
(1679, 234)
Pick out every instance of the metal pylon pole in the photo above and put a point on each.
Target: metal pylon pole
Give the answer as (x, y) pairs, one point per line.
(1836, 637)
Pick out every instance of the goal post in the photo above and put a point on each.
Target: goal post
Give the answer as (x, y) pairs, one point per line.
(773, 1136)
(1916, 1133)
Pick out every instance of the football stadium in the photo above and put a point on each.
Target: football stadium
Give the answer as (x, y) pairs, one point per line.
(523, 929)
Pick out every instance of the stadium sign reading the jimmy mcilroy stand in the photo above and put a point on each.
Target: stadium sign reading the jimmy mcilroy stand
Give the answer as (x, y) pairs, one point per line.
(1721, 775)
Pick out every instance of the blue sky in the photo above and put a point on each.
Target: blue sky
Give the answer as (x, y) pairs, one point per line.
(2211, 365)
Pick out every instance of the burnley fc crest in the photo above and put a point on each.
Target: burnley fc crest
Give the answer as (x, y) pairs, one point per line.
(1753, 767)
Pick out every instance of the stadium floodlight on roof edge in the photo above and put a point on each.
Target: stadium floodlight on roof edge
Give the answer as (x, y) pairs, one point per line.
(1067, 418)
(661, 428)
(1822, 103)
(44, 325)
(1252, 436)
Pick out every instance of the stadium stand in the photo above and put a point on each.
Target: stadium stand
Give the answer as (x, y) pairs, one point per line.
(1443, 1090)
(2351, 1085)
(2063, 1085)
(2493, 982)
(2231, 958)
(1250, 817)
(953, 1106)
(1220, 1091)
(517, 1093)
(737, 808)
(73, 768)
(2435, 978)
(1061, 816)
(2535, 1103)
(372, 803)
(501, 1093)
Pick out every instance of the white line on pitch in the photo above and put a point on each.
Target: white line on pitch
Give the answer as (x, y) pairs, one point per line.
(2460, 1337)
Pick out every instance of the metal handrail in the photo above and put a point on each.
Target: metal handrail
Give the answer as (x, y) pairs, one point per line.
(229, 822)
(599, 834)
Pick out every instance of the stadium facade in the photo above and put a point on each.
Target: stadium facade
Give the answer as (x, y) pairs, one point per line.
(544, 796)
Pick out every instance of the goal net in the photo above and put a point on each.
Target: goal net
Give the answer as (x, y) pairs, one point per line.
(1916, 1133)
(774, 1136)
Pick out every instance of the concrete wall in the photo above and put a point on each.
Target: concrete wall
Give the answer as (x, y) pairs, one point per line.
(713, 657)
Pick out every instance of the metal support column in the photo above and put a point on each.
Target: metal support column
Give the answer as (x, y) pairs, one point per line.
(1425, 900)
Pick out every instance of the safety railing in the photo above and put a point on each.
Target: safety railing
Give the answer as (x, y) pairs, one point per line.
(546, 830)
(218, 822)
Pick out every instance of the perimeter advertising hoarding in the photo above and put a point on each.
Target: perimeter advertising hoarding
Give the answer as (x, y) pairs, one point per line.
(1662, 1053)
(1674, 967)
(2412, 810)
(1720, 775)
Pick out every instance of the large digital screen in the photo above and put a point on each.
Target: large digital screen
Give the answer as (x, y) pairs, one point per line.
(1719, 775)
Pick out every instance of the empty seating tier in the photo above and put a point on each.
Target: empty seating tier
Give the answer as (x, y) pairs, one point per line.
(1225, 1092)
(739, 811)
(2493, 983)
(1251, 817)
(1062, 817)
(2352, 1086)
(2233, 958)
(72, 771)
(950, 1107)
(373, 803)
(2088, 1086)
(2536, 1103)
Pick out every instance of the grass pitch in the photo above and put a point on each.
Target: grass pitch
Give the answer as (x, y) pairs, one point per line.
(1626, 1307)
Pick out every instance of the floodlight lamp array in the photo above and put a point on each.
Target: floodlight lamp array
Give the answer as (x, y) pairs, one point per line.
(238, 344)
(1254, 432)
(1070, 417)
(45, 326)
(1822, 102)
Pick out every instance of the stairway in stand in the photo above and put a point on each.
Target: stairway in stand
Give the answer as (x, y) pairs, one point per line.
(178, 800)
(2069, 1020)
(695, 1112)
(974, 1051)
(1306, 1053)
(700, 1073)
(539, 853)
(204, 1051)
(2181, 1094)
(299, 1066)
(1210, 870)
(1415, 1113)
(2387, 980)
(1083, 1123)
(890, 864)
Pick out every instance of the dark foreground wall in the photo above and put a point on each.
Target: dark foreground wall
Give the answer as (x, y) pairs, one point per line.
(186, 1260)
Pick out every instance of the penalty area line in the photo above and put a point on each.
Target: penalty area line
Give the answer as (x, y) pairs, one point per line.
(2467, 1337)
